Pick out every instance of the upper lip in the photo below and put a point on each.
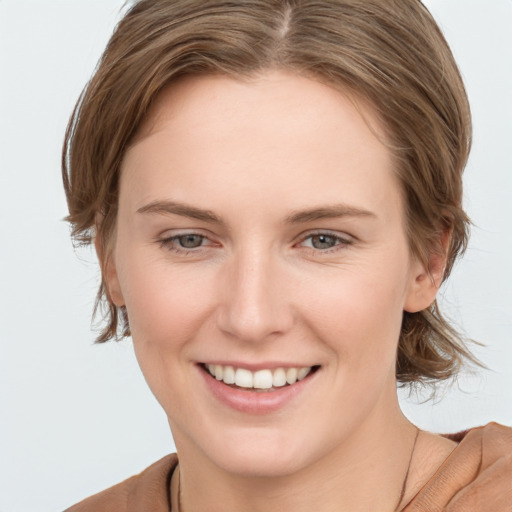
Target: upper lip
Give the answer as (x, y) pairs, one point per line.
(266, 365)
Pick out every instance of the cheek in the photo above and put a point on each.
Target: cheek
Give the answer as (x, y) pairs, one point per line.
(359, 315)
(163, 306)
(166, 310)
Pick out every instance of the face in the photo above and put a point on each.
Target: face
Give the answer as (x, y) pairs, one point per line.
(260, 238)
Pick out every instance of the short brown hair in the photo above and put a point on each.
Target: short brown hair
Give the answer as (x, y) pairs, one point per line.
(388, 52)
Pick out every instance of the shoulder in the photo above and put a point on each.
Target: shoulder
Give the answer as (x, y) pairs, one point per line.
(459, 469)
(148, 490)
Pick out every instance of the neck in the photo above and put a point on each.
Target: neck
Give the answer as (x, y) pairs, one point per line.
(366, 472)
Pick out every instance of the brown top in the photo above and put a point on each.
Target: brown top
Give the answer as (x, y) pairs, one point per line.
(483, 452)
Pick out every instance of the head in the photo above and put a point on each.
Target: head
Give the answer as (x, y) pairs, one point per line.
(383, 67)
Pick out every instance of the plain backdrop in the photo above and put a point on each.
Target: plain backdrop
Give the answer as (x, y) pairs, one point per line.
(75, 417)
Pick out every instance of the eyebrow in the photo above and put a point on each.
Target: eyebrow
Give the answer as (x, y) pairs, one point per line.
(184, 210)
(328, 212)
(298, 217)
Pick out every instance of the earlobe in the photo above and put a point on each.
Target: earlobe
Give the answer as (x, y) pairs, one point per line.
(109, 273)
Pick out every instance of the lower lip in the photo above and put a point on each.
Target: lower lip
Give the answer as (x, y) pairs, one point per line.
(255, 402)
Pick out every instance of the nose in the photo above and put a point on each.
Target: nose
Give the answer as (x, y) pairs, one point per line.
(254, 304)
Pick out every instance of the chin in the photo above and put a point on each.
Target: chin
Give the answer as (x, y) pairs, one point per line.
(267, 454)
(260, 464)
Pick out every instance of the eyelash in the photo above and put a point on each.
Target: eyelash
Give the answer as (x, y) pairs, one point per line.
(340, 243)
(170, 243)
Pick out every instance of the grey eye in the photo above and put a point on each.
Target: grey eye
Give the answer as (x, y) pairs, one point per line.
(190, 241)
(323, 241)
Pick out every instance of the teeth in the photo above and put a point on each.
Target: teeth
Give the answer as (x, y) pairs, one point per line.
(291, 375)
(302, 373)
(261, 379)
(279, 378)
(243, 378)
(229, 375)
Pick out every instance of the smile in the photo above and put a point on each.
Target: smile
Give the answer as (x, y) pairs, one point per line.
(260, 390)
(260, 380)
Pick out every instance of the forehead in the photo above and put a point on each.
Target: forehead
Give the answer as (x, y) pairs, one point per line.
(278, 131)
(195, 99)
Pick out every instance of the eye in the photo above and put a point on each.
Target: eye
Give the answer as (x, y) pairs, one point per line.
(185, 243)
(189, 241)
(323, 242)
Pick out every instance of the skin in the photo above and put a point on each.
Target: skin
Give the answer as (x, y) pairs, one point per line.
(258, 288)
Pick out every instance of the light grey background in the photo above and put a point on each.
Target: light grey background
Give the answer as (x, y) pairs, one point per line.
(76, 418)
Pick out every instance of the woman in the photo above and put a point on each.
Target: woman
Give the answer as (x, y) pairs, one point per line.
(274, 192)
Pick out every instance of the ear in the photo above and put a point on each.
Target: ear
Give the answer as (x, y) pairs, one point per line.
(426, 278)
(109, 275)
